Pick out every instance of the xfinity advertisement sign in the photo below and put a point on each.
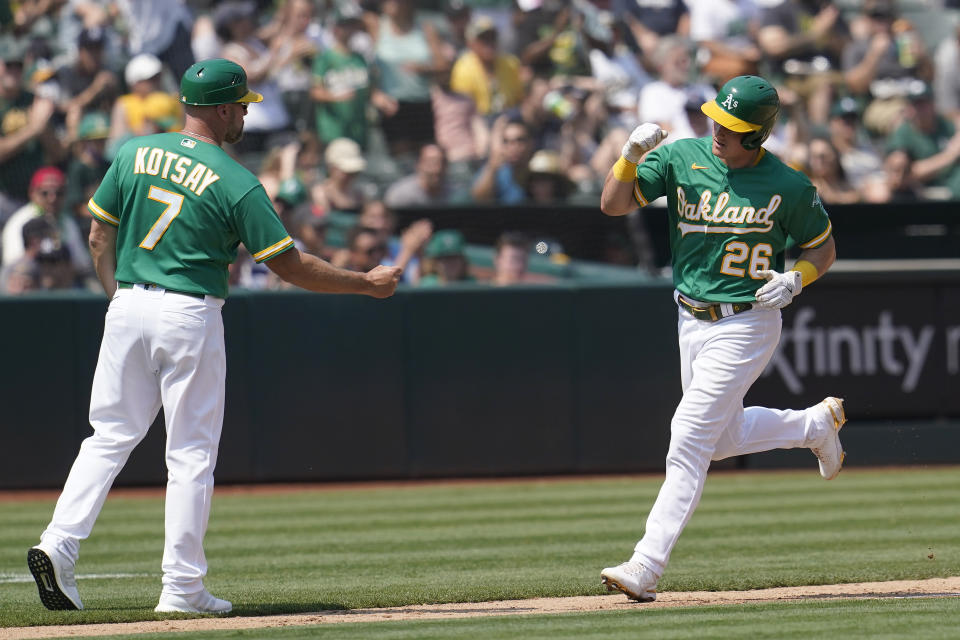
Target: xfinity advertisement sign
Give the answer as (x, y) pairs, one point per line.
(890, 352)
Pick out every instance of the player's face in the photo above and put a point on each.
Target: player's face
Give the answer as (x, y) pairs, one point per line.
(235, 115)
(727, 147)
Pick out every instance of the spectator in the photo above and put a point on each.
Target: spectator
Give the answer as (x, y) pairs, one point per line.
(160, 28)
(405, 250)
(29, 18)
(931, 141)
(721, 30)
(827, 174)
(618, 71)
(298, 41)
(548, 39)
(342, 87)
(299, 159)
(547, 182)
(503, 179)
(47, 187)
(445, 260)
(409, 52)
(87, 167)
(578, 133)
(309, 230)
(365, 249)
(946, 84)
(45, 263)
(339, 192)
(662, 101)
(87, 84)
(484, 74)
(857, 156)
(692, 122)
(895, 184)
(290, 194)
(147, 108)
(427, 186)
(883, 63)
(804, 40)
(235, 26)
(541, 113)
(650, 20)
(410, 255)
(512, 253)
(25, 138)
(457, 14)
(460, 131)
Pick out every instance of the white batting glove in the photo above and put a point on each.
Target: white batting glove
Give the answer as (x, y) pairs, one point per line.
(642, 139)
(779, 290)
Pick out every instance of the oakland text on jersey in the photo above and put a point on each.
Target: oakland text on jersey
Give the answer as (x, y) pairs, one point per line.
(174, 167)
(761, 220)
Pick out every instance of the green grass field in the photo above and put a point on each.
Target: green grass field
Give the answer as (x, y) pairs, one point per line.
(312, 549)
(877, 620)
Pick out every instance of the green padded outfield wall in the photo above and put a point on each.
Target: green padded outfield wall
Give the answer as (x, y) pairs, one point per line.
(479, 381)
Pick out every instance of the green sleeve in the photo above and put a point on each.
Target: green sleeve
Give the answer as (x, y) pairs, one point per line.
(652, 176)
(808, 222)
(898, 140)
(105, 203)
(259, 226)
(320, 66)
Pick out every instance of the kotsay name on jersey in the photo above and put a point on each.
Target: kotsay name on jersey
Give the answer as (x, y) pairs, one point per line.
(720, 213)
(174, 167)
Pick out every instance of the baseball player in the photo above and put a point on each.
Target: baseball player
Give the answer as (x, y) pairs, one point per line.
(167, 220)
(734, 209)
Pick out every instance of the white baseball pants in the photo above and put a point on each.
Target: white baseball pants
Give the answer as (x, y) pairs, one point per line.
(719, 361)
(158, 348)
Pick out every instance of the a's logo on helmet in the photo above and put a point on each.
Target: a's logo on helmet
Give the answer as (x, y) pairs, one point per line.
(730, 103)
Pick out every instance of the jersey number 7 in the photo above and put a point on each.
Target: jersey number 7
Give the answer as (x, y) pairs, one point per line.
(174, 202)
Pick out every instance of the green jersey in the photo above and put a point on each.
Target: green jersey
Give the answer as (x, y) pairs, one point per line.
(728, 224)
(182, 206)
(341, 72)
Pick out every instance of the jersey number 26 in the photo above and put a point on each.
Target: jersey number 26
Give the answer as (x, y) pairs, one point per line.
(738, 253)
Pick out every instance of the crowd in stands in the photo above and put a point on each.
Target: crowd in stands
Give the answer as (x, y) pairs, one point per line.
(372, 106)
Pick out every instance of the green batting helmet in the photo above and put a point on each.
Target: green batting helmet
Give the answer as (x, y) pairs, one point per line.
(747, 105)
(216, 81)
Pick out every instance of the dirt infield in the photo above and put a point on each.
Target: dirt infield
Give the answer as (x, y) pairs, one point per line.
(935, 587)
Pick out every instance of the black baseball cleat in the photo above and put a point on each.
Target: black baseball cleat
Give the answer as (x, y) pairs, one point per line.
(55, 580)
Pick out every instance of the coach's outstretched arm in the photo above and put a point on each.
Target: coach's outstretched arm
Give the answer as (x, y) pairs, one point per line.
(310, 272)
(617, 197)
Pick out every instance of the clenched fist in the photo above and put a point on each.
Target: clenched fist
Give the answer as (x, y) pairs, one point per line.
(382, 281)
(642, 139)
(780, 289)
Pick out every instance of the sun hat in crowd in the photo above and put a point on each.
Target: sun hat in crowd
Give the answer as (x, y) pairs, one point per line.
(345, 154)
(141, 67)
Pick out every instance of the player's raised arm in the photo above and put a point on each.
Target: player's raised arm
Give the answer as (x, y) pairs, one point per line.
(311, 273)
(617, 197)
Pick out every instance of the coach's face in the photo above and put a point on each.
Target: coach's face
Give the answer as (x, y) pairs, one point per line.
(232, 115)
